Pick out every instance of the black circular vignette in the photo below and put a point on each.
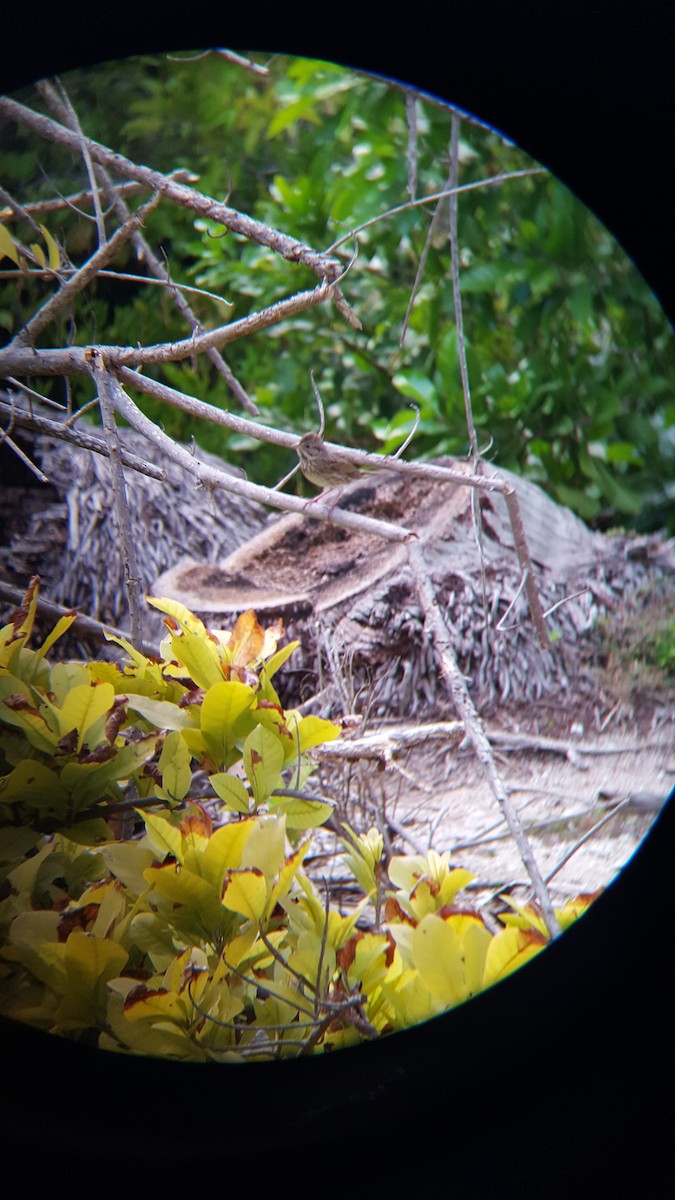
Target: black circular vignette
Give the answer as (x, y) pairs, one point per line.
(558, 1082)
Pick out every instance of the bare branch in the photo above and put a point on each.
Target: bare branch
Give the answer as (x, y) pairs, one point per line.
(466, 710)
(84, 626)
(79, 280)
(85, 441)
(17, 359)
(291, 249)
(392, 212)
(106, 387)
(213, 478)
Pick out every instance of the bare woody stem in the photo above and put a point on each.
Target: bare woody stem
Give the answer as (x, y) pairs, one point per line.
(436, 630)
(322, 265)
(105, 386)
(23, 360)
(211, 477)
(77, 437)
(77, 282)
(65, 112)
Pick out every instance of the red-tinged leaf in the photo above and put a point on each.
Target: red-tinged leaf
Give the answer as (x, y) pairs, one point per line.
(197, 820)
(76, 918)
(395, 914)
(142, 993)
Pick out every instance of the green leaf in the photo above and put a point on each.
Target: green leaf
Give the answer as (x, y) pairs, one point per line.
(263, 760)
(232, 791)
(161, 713)
(174, 765)
(224, 715)
(302, 814)
(417, 387)
(33, 783)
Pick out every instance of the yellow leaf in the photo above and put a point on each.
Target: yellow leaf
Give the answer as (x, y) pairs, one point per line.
(245, 892)
(200, 658)
(62, 626)
(52, 248)
(508, 950)
(162, 836)
(247, 640)
(39, 254)
(83, 706)
(7, 246)
(180, 886)
(437, 955)
(266, 845)
(88, 963)
(224, 849)
(222, 710)
(287, 873)
(313, 731)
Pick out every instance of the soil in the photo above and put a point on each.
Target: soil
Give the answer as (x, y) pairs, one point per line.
(437, 797)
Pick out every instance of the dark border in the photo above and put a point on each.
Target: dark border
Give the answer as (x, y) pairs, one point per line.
(558, 1082)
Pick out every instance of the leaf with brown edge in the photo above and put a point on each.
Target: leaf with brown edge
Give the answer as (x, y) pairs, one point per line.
(76, 918)
(397, 915)
(142, 993)
(196, 820)
(246, 640)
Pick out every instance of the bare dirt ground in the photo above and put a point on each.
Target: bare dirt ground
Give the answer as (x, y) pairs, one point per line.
(586, 800)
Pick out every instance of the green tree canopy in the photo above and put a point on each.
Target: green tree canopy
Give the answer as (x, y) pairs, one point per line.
(570, 358)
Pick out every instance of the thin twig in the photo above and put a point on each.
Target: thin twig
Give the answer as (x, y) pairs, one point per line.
(106, 386)
(456, 293)
(52, 307)
(591, 833)
(28, 462)
(458, 690)
(411, 124)
(290, 248)
(246, 63)
(465, 187)
(83, 626)
(40, 208)
(64, 272)
(74, 124)
(86, 441)
(22, 387)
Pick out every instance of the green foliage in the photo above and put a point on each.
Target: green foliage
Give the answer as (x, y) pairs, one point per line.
(193, 941)
(80, 736)
(571, 361)
(204, 944)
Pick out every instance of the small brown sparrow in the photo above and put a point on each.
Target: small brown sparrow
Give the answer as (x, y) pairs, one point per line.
(321, 466)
